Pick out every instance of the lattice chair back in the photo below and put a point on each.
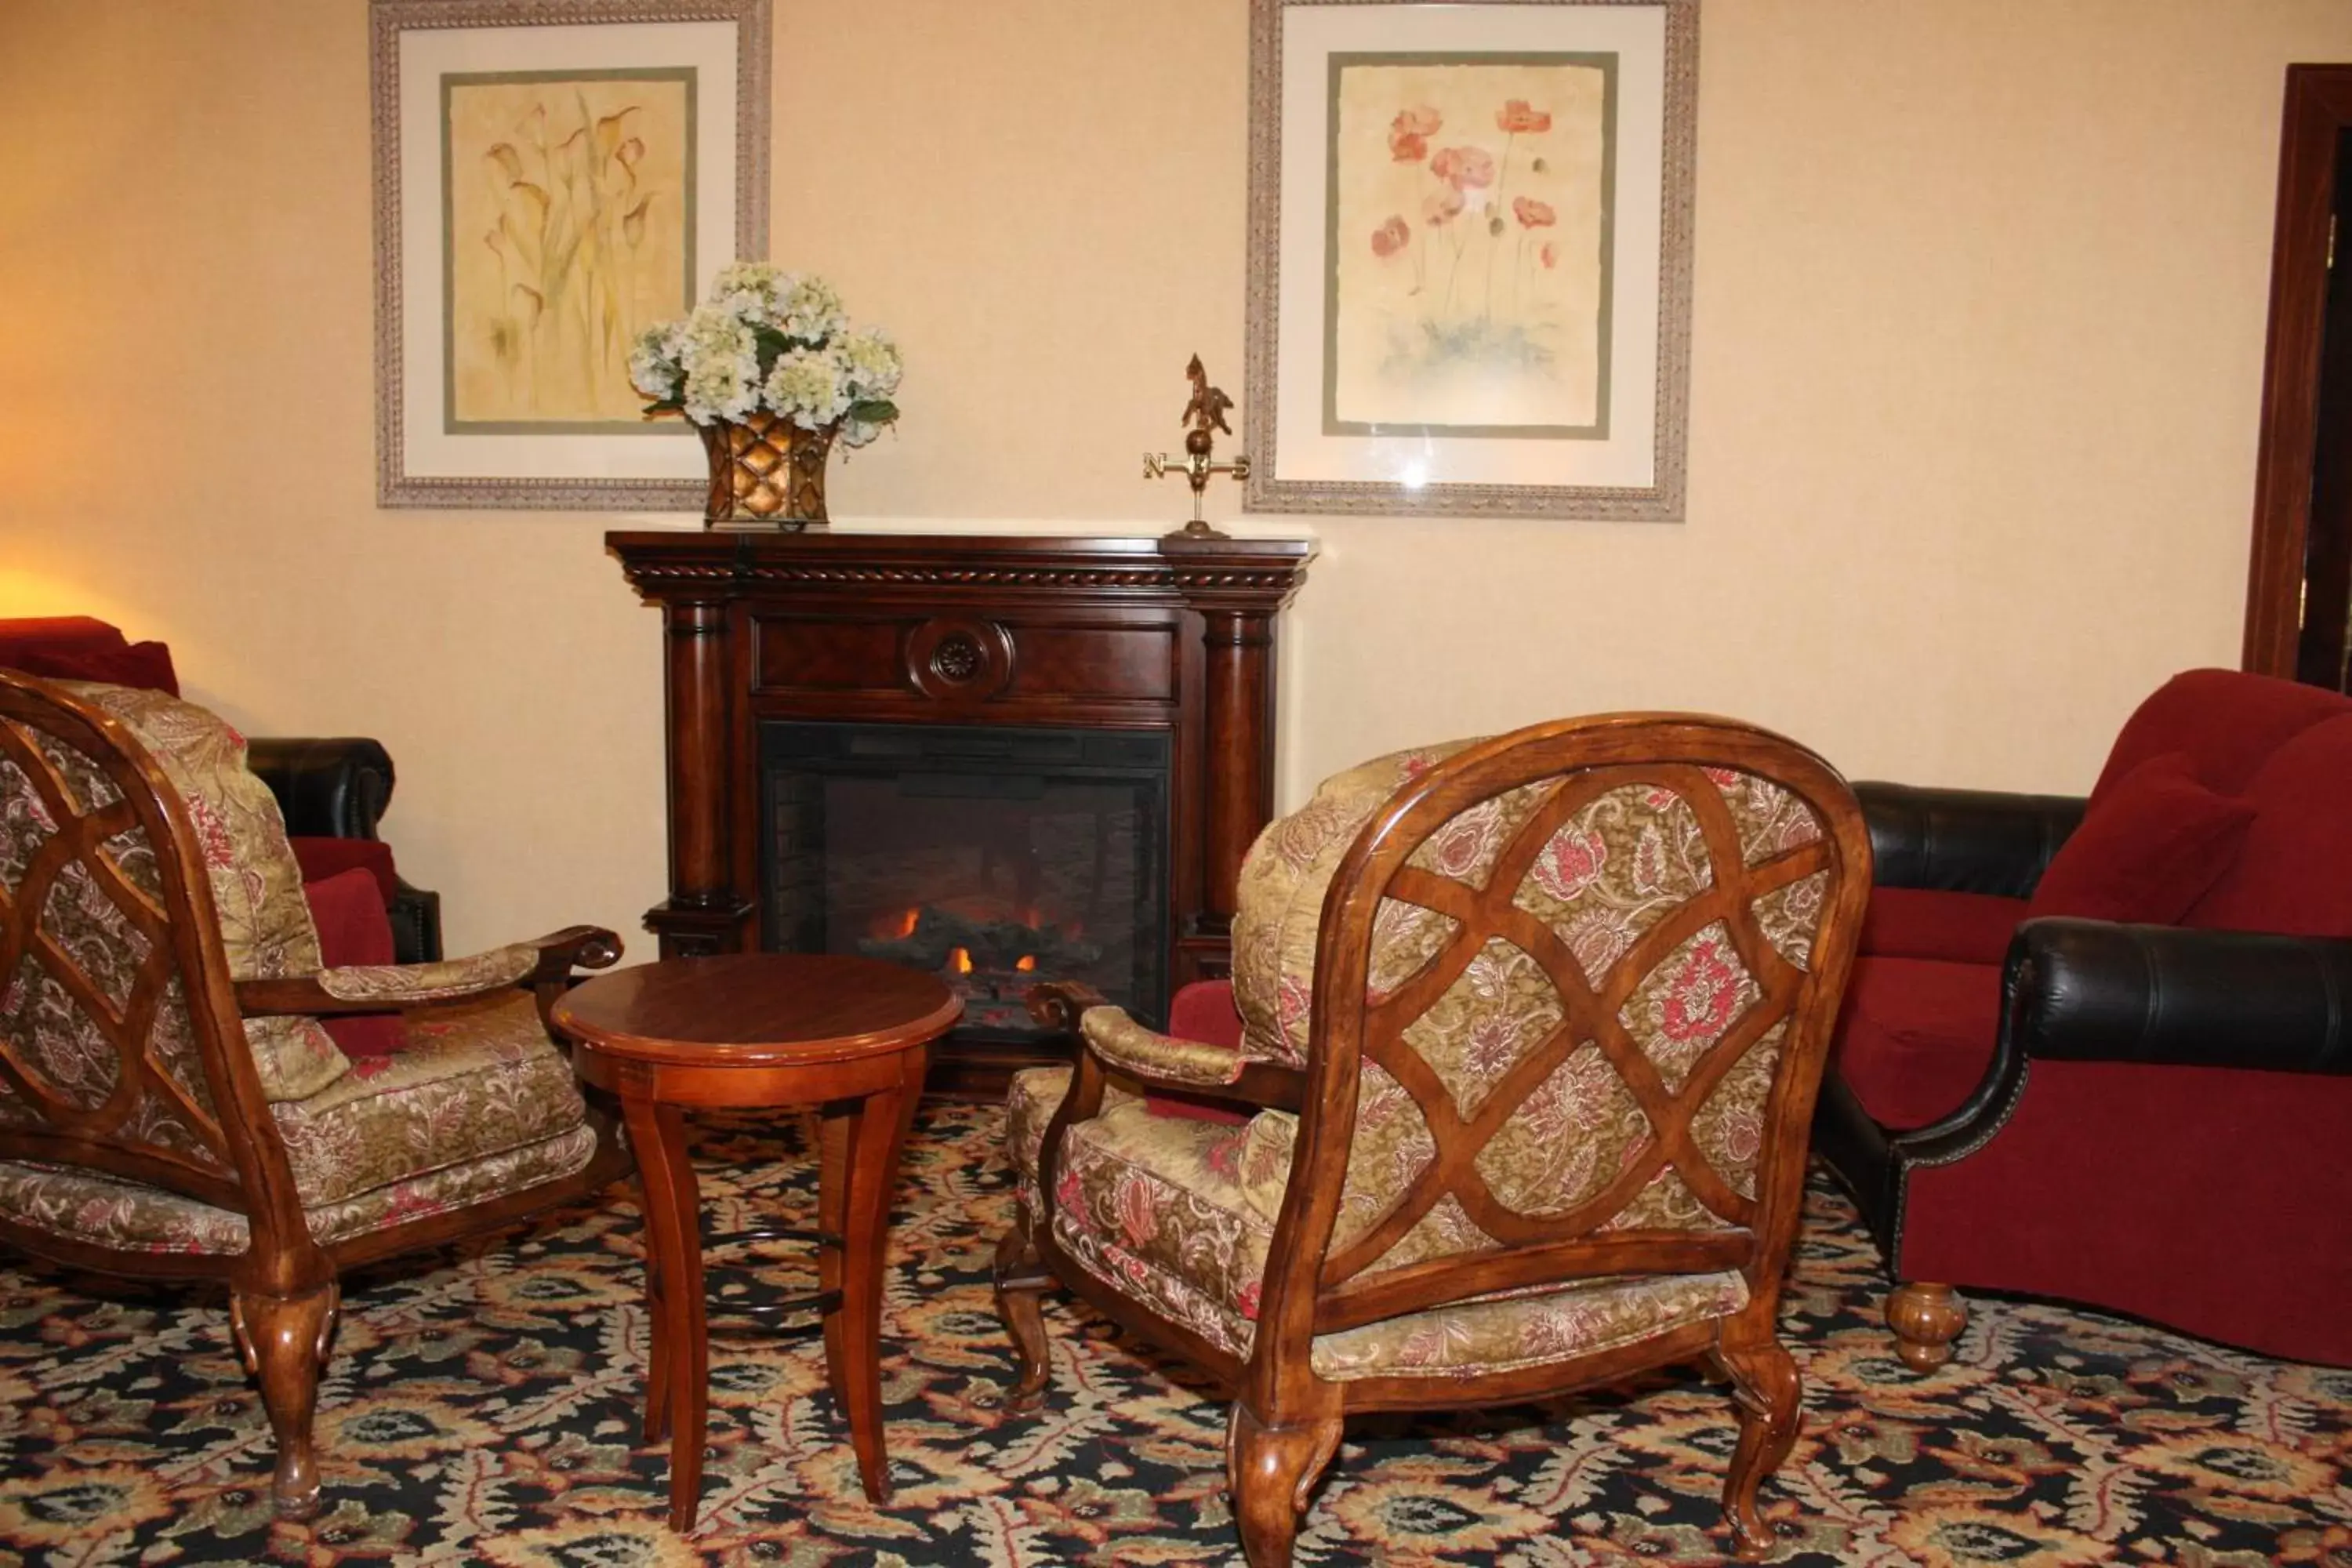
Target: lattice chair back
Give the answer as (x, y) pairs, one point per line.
(128, 900)
(1564, 998)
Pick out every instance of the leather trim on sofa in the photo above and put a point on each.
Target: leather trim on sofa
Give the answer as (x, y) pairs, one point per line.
(2095, 991)
(1961, 840)
(335, 788)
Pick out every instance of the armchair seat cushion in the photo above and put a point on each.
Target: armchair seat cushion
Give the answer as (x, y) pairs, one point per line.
(80, 1206)
(1181, 1214)
(1918, 1037)
(471, 1081)
(478, 1105)
(1928, 922)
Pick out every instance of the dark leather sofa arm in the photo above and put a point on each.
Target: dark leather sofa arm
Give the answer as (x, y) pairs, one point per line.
(2080, 990)
(1964, 840)
(328, 788)
(338, 788)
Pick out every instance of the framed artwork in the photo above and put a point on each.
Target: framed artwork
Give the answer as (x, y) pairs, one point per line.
(1470, 255)
(553, 177)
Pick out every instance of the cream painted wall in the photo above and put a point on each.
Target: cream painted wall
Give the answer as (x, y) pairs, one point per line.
(1979, 327)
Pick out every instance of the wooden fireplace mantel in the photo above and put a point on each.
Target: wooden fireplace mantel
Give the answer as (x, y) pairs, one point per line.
(949, 628)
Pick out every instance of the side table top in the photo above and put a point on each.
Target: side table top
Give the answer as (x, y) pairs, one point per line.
(756, 1008)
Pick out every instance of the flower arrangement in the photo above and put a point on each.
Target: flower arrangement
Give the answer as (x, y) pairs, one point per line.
(768, 341)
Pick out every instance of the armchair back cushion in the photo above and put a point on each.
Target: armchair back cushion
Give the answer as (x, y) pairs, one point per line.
(257, 887)
(1280, 899)
(2293, 873)
(2226, 721)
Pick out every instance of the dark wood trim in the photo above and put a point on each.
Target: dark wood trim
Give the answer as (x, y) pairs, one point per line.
(2319, 107)
(1015, 629)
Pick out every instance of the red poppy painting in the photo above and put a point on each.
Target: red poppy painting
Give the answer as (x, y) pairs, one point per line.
(1470, 255)
(1470, 214)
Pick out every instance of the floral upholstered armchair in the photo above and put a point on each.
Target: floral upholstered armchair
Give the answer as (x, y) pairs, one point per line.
(1533, 1028)
(170, 1105)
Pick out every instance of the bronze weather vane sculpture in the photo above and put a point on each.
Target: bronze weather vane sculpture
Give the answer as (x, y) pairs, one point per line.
(1204, 414)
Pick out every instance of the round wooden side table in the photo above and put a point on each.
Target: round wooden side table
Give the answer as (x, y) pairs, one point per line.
(762, 1031)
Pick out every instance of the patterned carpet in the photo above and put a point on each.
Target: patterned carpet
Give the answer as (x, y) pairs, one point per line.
(481, 1407)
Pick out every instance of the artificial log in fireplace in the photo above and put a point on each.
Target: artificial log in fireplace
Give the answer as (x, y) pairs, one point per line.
(995, 758)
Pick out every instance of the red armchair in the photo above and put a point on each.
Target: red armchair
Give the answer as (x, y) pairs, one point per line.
(2102, 1049)
(331, 791)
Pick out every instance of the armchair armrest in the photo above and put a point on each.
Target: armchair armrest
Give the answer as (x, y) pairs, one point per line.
(543, 965)
(1162, 1062)
(331, 788)
(2080, 990)
(1964, 840)
(1126, 1046)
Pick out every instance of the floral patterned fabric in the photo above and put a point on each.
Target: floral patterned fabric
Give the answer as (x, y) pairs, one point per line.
(257, 887)
(1281, 899)
(1517, 1331)
(130, 1216)
(1180, 1215)
(473, 1080)
(1122, 1042)
(85, 921)
(1556, 959)
(1153, 1206)
(410, 984)
(83, 1206)
(1613, 862)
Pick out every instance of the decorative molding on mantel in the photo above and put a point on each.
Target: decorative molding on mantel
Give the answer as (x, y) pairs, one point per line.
(1250, 568)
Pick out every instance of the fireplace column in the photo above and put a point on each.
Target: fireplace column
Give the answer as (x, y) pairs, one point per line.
(1240, 725)
(704, 915)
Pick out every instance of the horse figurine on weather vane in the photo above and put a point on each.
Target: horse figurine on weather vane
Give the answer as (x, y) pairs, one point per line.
(1204, 414)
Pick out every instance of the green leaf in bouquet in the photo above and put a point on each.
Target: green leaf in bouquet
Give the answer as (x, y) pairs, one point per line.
(873, 411)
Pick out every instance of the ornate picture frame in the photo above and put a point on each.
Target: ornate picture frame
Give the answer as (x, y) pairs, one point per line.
(1470, 239)
(550, 178)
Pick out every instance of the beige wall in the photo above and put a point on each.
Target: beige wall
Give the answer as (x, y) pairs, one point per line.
(1978, 326)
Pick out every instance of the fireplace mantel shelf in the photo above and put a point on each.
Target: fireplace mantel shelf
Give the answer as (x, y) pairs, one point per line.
(1120, 633)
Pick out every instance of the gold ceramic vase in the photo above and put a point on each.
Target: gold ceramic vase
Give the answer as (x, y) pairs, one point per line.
(765, 472)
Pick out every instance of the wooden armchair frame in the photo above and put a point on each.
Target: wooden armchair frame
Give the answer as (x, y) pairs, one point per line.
(225, 1150)
(1286, 1420)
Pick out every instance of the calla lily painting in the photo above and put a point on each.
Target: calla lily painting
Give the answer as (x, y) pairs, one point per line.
(1468, 255)
(570, 230)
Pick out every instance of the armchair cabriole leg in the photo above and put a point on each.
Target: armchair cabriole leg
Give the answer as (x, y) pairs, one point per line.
(1021, 1279)
(283, 1341)
(1271, 1469)
(1925, 1319)
(1769, 1395)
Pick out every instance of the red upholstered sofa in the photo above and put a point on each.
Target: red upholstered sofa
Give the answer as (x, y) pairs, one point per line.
(2101, 1049)
(330, 791)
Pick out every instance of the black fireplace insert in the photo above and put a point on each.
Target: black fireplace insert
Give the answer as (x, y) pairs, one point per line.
(994, 858)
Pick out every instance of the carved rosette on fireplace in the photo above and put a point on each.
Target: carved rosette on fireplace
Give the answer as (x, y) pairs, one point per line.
(991, 758)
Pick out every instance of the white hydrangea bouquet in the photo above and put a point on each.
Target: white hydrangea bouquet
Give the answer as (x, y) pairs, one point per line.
(768, 368)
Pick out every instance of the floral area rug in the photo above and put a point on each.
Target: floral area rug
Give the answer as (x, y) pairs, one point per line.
(482, 1406)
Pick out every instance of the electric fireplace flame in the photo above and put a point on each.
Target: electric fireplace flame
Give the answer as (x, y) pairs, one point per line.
(989, 951)
(996, 860)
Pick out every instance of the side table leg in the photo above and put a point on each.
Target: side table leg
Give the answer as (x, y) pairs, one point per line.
(677, 1369)
(859, 1172)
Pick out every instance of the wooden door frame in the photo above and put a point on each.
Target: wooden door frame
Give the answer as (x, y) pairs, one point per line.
(2319, 107)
